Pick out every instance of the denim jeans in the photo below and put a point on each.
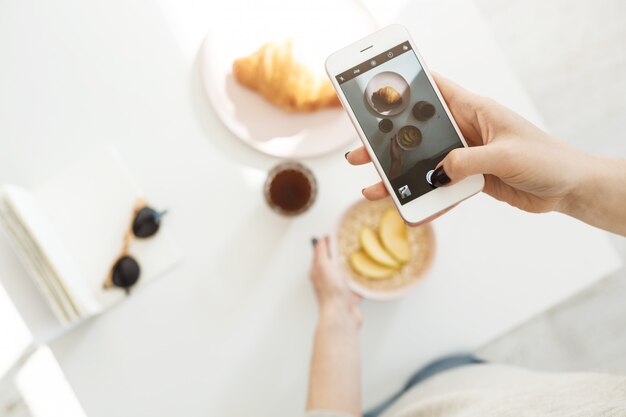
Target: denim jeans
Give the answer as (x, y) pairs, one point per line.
(440, 365)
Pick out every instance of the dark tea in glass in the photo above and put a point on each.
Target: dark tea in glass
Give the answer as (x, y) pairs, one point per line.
(290, 188)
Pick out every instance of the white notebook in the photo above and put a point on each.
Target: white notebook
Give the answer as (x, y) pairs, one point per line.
(69, 231)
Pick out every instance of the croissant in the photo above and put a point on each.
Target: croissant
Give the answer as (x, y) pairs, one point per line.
(386, 98)
(274, 72)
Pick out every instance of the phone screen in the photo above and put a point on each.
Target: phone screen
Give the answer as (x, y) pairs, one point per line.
(402, 117)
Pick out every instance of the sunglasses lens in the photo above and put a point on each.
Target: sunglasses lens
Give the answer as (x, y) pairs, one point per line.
(125, 272)
(147, 222)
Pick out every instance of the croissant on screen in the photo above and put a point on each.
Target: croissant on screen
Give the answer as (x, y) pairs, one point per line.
(275, 73)
(386, 97)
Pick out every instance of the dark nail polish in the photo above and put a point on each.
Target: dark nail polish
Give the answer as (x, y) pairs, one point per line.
(346, 155)
(440, 177)
(314, 241)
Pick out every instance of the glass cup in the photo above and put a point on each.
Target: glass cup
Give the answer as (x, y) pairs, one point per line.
(290, 188)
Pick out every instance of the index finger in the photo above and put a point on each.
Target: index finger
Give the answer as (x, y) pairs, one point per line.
(358, 156)
(464, 106)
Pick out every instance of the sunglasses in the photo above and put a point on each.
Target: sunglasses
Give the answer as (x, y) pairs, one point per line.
(125, 271)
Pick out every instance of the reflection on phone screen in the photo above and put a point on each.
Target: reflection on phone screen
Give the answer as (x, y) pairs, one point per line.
(402, 117)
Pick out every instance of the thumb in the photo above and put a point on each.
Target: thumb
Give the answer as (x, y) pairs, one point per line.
(463, 162)
(321, 250)
(463, 104)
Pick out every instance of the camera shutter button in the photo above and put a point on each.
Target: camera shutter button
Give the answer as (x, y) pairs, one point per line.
(429, 176)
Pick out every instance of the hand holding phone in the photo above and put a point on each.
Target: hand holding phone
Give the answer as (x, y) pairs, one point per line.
(524, 166)
(402, 119)
(467, 113)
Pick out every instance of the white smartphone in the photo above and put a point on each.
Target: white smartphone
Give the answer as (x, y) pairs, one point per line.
(402, 119)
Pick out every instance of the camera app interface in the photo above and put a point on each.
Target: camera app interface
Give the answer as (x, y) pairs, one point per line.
(402, 118)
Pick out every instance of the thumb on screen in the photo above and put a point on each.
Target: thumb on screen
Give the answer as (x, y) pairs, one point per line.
(463, 162)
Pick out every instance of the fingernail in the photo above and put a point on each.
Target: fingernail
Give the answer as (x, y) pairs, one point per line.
(314, 241)
(346, 155)
(363, 191)
(440, 177)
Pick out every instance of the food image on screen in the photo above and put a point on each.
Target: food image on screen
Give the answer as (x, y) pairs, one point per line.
(385, 125)
(386, 98)
(401, 116)
(387, 94)
(409, 138)
(423, 111)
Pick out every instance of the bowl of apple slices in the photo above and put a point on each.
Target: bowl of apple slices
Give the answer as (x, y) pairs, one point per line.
(383, 257)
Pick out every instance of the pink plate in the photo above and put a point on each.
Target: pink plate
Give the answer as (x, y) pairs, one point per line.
(248, 115)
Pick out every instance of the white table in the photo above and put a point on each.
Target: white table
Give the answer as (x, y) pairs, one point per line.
(229, 331)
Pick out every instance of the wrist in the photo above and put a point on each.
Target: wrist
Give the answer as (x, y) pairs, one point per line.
(339, 315)
(584, 193)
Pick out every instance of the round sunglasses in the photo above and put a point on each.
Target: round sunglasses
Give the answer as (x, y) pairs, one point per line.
(125, 271)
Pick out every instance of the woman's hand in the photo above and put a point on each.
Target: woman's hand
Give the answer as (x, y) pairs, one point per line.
(523, 165)
(335, 375)
(334, 297)
(396, 153)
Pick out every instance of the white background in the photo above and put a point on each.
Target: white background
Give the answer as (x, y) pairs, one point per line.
(229, 332)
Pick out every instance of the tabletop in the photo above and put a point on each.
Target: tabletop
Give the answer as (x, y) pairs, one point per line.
(229, 331)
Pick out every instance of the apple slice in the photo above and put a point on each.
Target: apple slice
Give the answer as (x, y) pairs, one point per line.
(394, 235)
(374, 249)
(365, 266)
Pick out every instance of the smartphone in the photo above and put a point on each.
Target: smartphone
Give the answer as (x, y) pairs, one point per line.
(402, 119)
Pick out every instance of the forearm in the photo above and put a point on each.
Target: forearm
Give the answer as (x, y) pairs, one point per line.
(600, 199)
(335, 376)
